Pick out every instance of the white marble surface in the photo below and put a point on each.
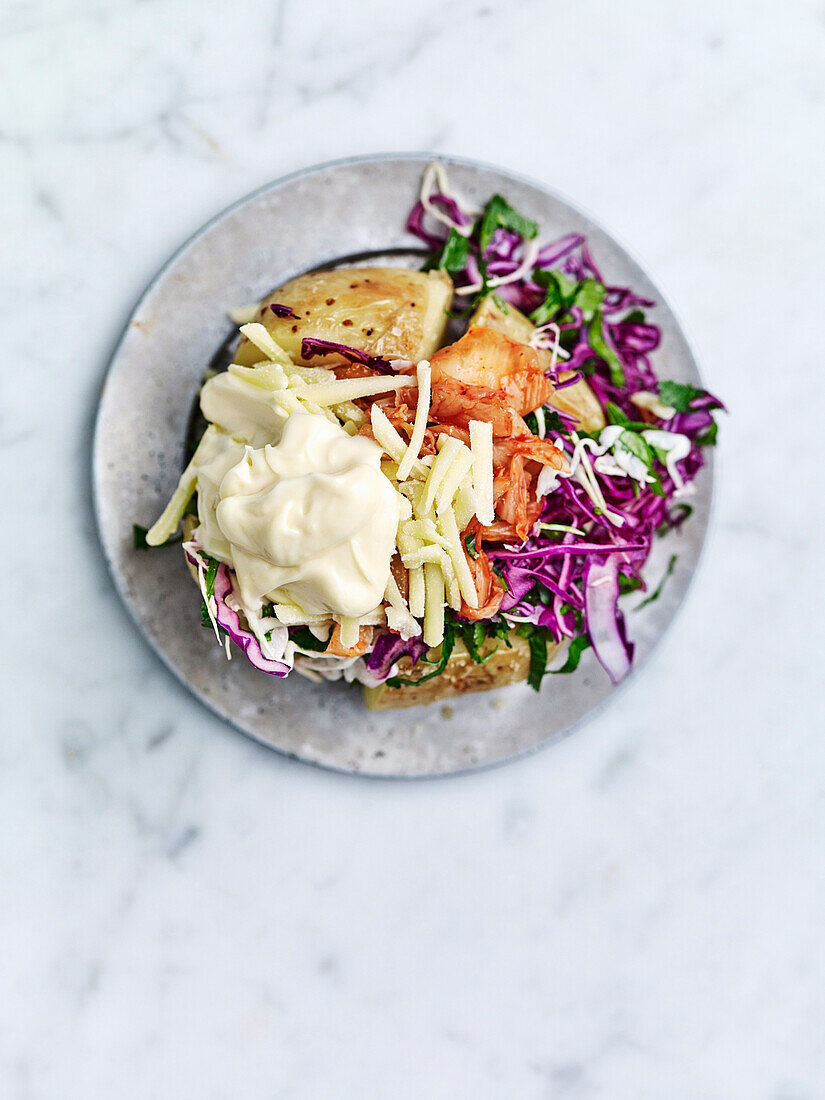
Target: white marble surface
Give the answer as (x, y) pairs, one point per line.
(637, 913)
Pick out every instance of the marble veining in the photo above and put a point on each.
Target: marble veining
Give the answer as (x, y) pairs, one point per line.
(636, 913)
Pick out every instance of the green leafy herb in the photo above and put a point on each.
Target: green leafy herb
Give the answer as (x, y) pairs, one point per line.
(559, 295)
(474, 635)
(302, 636)
(499, 213)
(657, 593)
(678, 395)
(470, 544)
(447, 646)
(553, 422)
(538, 658)
(708, 436)
(629, 584)
(536, 637)
(637, 446)
(453, 256)
(502, 305)
(497, 570)
(605, 350)
(574, 655)
(209, 574)
(589, 295)
(616, 416)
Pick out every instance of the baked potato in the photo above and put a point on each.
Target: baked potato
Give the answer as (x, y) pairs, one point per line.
(461, 675)
(388, 311)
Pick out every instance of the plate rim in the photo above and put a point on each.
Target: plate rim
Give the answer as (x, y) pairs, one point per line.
(712, 470)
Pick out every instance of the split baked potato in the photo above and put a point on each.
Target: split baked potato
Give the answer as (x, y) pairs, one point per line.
(388, 311)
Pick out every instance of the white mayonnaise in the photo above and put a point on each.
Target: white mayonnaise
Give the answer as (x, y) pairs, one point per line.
(244, 410)
(311, 520)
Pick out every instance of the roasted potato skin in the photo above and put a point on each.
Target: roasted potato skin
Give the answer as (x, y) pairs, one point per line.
(577, 400)
(393, 312)
(460, 677)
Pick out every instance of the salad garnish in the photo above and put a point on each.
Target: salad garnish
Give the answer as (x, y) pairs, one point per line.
(524, 469)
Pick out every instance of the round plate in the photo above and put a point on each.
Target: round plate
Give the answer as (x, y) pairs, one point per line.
(351, 211)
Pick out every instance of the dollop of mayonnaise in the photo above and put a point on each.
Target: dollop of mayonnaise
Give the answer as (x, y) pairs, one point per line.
(311, 520)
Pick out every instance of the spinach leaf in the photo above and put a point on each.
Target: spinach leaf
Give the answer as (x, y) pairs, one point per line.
(209, 575)
(708, 436)
(678, 395)
(453, 256)
(538, 658)
(303, 637)
(657, 593)
(498, 212)
(599, 344)
(574, 655)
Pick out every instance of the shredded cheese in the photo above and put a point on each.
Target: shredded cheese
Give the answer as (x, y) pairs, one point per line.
(463, 576)
(392, 441)
(448, 450)
(407, 543)
(539, 340)
(349, 389)
(415, 584)
(265, 375)
(258, 335)
(426, 531)
(481, 445)
(166, 524)
(457, 471)
(398, 614)
(434, 605)
(465, 505)
(430, 553)
(349, 632)
(422, 411)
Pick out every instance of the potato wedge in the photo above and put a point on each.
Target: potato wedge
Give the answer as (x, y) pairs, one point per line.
(577, 400)
(461, 676)
(388, 311)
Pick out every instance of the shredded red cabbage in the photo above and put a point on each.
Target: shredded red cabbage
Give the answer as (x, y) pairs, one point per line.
(282, 311)
(312, 346)
(231, 623)
(389, 648)
(565, 583)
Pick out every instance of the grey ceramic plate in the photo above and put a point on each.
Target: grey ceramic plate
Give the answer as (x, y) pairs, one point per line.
(354, 209)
